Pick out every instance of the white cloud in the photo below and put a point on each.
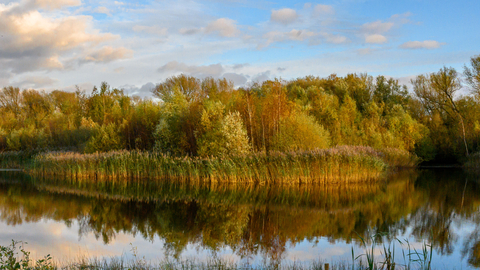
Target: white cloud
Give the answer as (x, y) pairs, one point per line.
(261, 77)
(119, 70)
(335, 39)
(33, 30)
(376, 32)
(214, 70)
(375, 39)
(299, 35)
(377, 27)
(154, 30)
(107, 54)
(35, 82)
(103, 10)
(237, 79)
(401, 18)
(278, 36)
(34, 41)
(313, 38)
(406, 80)
(224, 27)
(55, 4)
(52, 63)
(427, 44)
(189, 31)
(284, 16)
(320, 9)
(365, 51)
(145, 91)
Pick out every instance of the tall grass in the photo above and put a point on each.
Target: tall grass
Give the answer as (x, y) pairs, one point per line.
(15, 256)
(14, 159)
(412, 258)
(339, 164)
(398, 158)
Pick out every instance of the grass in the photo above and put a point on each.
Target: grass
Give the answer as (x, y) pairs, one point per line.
(344, 163)
(15, 256)
(412, 258)
(15, 159)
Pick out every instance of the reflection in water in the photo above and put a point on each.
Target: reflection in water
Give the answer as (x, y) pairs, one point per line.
(252, 220)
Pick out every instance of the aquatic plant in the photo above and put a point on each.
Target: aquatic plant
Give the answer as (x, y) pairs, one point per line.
(14, 159)
(9, 259)
(421, 259)
(338, 164)
(15, 257)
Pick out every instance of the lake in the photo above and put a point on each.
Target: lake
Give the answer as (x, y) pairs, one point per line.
(249, 224)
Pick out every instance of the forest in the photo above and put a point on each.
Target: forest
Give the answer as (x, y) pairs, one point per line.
(438, 120)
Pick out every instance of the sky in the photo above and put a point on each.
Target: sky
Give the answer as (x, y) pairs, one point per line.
(134, 45)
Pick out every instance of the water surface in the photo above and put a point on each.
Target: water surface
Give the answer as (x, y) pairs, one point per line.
(245, 223)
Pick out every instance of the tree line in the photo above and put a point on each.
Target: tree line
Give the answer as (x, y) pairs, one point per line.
(210, 117)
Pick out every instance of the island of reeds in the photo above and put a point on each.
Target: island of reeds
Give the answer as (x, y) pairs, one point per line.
(306, 129)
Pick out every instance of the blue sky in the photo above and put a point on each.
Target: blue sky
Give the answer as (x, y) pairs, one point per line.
(60, 44)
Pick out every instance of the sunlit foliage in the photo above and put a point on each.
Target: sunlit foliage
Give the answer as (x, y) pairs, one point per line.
(210, 117)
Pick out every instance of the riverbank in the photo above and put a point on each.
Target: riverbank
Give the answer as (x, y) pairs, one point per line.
(343, 163)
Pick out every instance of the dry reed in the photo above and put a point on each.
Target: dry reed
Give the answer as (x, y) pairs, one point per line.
(339, 164)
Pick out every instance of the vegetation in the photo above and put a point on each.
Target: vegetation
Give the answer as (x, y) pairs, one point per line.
(348, 164)
(15, 159)
(205, 118)
(9, 261)
(256, 220)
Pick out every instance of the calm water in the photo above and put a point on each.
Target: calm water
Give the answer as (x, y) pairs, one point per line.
(249, 224)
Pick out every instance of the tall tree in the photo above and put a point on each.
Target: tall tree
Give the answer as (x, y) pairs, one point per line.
(189, 86)
(473, 75)
(11, 99)
(437, 90)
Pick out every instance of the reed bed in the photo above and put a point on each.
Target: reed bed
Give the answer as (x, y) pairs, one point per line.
(399, 158)
(14, 159)
(339, 164)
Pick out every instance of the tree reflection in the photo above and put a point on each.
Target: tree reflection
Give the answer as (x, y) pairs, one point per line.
(256, 220)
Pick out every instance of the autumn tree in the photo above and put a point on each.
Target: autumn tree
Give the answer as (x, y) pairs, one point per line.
(222, 133)
(188, 86)
(436, 92)
(472, 75)
(390, 92)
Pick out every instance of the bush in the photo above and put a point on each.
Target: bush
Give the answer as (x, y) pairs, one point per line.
(11, 259)
(27, 138)
(106, 139)
(300, 132)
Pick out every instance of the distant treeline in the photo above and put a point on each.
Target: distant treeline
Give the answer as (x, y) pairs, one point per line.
(209, 117)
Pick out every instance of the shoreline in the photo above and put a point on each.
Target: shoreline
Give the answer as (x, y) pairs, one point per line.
(346, 164)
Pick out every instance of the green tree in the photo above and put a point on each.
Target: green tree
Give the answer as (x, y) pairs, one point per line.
(300, 132)
(472, 75)
(179, 120)
(436, 92)
(11, 99)
(105, 139)
(189, 87)
(389, 92)
(222, 134)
